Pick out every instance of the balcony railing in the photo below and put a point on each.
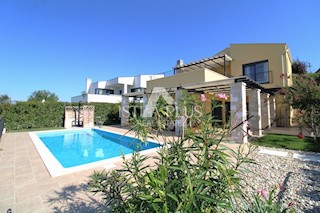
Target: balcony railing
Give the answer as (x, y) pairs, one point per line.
(264, 81)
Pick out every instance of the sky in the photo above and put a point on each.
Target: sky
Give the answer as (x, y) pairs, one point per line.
(56, 44)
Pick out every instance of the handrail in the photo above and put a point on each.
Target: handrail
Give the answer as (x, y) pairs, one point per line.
(1, 125)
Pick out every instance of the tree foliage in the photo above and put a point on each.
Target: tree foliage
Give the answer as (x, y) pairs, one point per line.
(5, 99)
(300, 67)
(27, 115)
(42, 96)
(304, 96)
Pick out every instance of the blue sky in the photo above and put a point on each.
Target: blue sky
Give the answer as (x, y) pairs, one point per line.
(56, 44)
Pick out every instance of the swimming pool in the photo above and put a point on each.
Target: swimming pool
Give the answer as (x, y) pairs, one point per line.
(67, 151)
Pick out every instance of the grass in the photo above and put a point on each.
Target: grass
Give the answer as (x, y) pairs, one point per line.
(288, 142)
(36, 129)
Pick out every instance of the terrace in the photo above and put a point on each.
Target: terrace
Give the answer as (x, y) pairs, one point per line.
(26, 185)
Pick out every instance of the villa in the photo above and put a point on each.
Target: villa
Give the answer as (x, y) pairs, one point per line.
(250, 74)
(111, 91)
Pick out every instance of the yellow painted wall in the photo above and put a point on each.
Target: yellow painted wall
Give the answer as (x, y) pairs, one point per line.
(250, 53)
(288, 69)
(178, 80)
(213, 76)
(197, 76)
(221, 70)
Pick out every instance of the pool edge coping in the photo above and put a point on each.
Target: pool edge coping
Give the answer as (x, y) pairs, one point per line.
(54, 167)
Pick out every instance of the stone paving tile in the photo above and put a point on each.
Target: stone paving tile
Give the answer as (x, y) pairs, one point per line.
(31, 205)
(43, 177)
(26, 192)
(20, 170)
(6, 179)
(7, 192)
(22, 163)
(8, 156)
(24, 179)
(66, 180)
(7, 204)
(7, 164)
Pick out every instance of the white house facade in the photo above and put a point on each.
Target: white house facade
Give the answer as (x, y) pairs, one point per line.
(111, 91)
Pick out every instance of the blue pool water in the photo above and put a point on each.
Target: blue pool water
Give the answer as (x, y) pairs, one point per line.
(78, 147)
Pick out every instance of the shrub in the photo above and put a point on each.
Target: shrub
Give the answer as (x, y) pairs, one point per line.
(304, 97)
(27, 115)
(194, 173)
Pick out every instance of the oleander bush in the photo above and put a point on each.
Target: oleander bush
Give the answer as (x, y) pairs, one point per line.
(32, 115)
(192, 173)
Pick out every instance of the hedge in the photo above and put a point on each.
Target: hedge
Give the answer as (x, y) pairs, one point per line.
(27, 115)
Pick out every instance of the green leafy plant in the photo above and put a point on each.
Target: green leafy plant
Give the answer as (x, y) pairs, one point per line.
(263, 202)
(304, 97)
(194, 173)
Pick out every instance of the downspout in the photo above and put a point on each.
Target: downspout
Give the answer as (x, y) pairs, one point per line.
(284, 84)
(282, 67)
(282, 70)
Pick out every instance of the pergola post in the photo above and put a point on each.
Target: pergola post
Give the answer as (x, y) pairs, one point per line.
(180, 120)
(124, 112)
(239, 112)
(273, 110)
(265, 111)
(144, 103)
(255, 112)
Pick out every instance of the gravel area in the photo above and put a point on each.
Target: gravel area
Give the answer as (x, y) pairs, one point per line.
(301, 179)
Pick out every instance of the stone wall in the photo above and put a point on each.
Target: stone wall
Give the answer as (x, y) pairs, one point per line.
(72, 116)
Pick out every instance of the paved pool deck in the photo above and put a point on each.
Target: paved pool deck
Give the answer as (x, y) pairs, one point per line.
(26, 185)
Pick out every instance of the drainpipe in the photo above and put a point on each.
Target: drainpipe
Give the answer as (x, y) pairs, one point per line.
(282, 70)
(283, 83)
(282, 67)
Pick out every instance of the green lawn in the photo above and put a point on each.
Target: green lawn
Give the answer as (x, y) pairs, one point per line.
(288, 142)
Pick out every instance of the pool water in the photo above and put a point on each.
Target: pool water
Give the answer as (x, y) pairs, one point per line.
(78, 147)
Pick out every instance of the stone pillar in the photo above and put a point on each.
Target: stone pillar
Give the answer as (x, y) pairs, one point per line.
(180, 121)
(239, 112)
(273, 110)
(255, 112)
(145, 102)
(88, 116)
(124, 111)
(125, 89)
(265, 111)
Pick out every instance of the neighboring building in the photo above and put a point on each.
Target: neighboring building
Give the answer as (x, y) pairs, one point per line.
(111, 91)
(269, 65)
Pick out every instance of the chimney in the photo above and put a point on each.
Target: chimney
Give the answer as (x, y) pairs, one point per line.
(88, 84)
(179, 63)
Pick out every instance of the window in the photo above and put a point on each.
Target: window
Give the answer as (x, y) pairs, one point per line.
(104, 91)
(139, 89)
(258, 71)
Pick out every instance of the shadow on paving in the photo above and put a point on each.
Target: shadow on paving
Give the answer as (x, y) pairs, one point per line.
(74, 198)
(312, 178)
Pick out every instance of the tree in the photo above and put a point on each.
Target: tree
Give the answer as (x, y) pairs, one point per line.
(300, 67)
(304, 96)
(43, 95)
(5, 99)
